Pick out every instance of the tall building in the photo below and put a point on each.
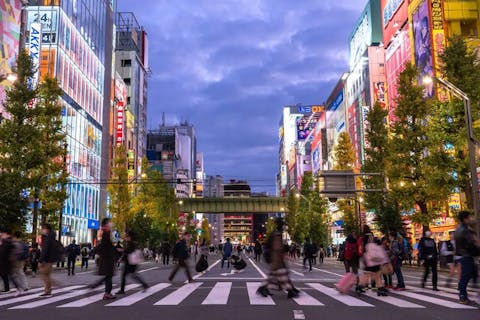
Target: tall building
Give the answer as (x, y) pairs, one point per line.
(172, 150)
(238, 226)
(75, 44)
(213, 188)
(131, 63)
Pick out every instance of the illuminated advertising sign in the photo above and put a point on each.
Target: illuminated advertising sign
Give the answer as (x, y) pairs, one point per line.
(10, 17)
(120, 123)
(309, 109)
(397, 55)
(283, 175)
(131, 163)
(438, 33)
(34, 48)
(316, 160)
(380, 93)
(305, 125)
(395, 13)
(360, 41)
(423, 45)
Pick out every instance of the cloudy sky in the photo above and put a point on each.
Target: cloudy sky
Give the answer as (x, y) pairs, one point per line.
(229, 66)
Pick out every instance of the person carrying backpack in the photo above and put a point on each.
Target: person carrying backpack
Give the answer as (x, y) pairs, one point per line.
(84, 253)
(351, 253)
(427, 251)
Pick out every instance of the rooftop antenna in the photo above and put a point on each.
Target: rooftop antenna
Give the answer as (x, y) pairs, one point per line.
(163, 119)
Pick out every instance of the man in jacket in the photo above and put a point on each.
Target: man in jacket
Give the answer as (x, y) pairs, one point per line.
(427, 251)
(21, 256)
(467, 247)
(396, 250)
(47, 258)
(180, 252)
(308, 254)
(130, 267)
(73, 250)
(227, 252)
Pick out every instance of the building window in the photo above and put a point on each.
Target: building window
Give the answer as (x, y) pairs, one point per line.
(127, 63)
(127, 81)
(469, 28)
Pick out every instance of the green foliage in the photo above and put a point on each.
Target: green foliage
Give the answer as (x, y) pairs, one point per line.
(205, 230)
(344, 153)
(271, 226)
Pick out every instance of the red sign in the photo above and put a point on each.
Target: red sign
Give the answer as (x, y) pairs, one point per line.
(394, 15)
(120, 117)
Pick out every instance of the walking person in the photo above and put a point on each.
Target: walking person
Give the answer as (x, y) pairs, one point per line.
(397, 255)
(387, 276)
(227, 252)
(307, 254)
(278, 277)
(49, 255)
(257, 249)
(467, 247)
(20, 258)
(180, 253)
(447, 250)
(427, 251)
(130, 263)
(321, 254)
(166, 249)
(351, 254)
(73, 251)
(6, 257)
(84, 253)
(106, 261)
(33, 257)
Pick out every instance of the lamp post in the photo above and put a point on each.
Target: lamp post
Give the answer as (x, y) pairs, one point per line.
(471, 142)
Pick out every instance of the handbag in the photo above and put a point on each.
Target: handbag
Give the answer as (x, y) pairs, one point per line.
(386, 268)
(135, 258)
(202, 264)
(374, 255)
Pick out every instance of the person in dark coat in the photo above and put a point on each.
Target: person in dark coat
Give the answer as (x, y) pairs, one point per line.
(128, 267)
(48, 257)
(106, 262)
(166, 249)
(6, 258)
(180, 252)
(73, 251)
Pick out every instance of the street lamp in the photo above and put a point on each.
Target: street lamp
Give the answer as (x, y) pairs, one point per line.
(471, 141)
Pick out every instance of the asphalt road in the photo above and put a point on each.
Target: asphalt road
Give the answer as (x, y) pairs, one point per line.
(223, 294)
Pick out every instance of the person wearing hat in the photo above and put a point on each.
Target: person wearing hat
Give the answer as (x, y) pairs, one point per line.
(467, 247)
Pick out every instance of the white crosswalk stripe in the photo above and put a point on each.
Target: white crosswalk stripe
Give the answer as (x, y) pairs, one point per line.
(255, 298)
(14, 293)
(345, 299)
(92, 299)
(138, 296)
(218, 293)
(179, 295)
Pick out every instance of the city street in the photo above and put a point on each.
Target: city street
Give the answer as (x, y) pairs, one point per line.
(223, 294)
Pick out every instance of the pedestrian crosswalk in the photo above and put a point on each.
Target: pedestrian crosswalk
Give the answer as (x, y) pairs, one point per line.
(313, 294)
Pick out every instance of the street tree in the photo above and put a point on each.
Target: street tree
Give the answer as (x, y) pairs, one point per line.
(291, 218)
(205, 230)
(376, 161)
(415, 175)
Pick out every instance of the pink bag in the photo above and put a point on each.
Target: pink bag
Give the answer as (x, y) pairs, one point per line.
(346, 283)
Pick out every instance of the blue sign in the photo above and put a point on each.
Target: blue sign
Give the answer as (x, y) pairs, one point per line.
(93, 224)
(337, 102)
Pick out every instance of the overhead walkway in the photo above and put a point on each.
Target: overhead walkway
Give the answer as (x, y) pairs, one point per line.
(234, 205)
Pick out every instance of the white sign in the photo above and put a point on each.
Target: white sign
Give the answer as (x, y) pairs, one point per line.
(360, 41)
(34, 46)
(46, 17)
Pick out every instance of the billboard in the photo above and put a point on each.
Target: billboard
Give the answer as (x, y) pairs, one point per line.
(394, 15)
(423, 44)
(10, 18)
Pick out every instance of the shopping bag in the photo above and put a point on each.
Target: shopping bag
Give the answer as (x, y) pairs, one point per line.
(202, 264)
(346, 283)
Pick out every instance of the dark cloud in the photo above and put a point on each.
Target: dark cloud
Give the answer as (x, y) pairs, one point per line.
(229, 67)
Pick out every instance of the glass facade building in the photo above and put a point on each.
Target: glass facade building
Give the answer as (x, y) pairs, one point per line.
(76, 47)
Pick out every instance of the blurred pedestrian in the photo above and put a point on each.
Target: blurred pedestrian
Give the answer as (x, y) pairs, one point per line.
(180, 252)
(84, 253)
(106, 261)
(397, 254)
(6, 257)
(21, 256)
(131, 258)
(308, 252)
(34, 256)
(447, 251)
(49, 255)
(278, 277)
(427, 251)
(257, 249)
(468, 247)
(227, 252)
(73, 251)
(166, 249)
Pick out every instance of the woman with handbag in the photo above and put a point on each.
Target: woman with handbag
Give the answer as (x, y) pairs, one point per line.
(132, 257)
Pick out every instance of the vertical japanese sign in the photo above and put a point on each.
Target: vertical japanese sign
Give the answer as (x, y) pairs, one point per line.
(34, 47)
(120, 121)
(438, 35)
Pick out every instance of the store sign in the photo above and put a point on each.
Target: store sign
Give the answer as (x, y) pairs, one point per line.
(337, 102)
(93, 224)
(46, 17)
(120, 120)
(360, 41)
(34, 50)
(437, 16)
(310, 109)
(380, 93)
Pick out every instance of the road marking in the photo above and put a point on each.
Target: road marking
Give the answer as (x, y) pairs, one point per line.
(298, 315)
(325, 271)
(346, 299)
(305, 299)
(232, 272)
(297, 273)
(134, 298)
(35, 295)
(258, 269)
(14, 293)
(153, 268)
(255, 298)
(393, 301)
(92, 299)
(219, 294)
(208, 269)
(231, 278)
(177, 296)
(54, 299)
(440, 302)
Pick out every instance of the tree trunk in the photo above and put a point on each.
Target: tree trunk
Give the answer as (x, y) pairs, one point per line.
(424, 210)
(35, 218)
